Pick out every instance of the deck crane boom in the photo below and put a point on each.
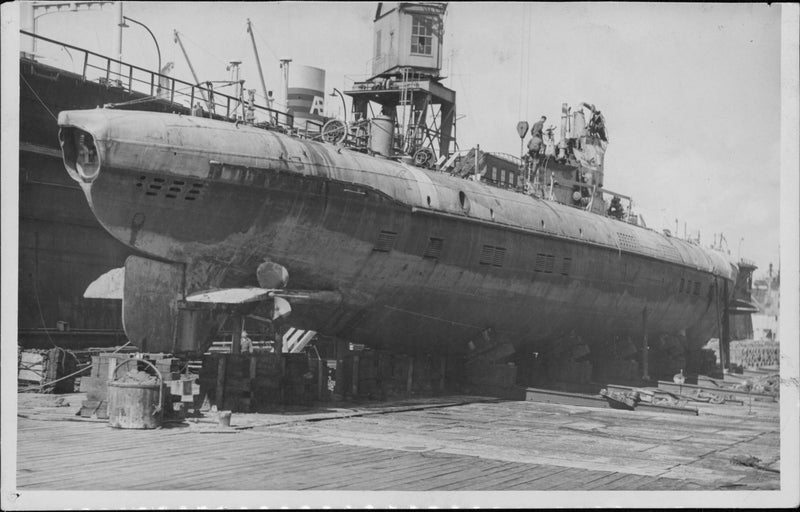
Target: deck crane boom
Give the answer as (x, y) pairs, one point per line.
(258, 63)
(194, 75)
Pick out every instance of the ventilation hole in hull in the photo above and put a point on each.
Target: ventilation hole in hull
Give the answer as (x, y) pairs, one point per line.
(385, 241)
(434, 249)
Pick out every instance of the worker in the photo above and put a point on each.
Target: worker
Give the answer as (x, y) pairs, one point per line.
(615, 209)
(535, 144)
(197, 110)
(247, 344)
(597, 125)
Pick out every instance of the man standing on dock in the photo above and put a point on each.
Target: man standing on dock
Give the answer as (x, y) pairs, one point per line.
(247, 343)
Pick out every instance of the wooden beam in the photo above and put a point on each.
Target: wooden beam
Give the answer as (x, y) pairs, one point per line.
(645, 348)
(220, 396)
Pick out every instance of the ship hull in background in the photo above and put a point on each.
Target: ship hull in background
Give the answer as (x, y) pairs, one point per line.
(62, 247)
(423, 262)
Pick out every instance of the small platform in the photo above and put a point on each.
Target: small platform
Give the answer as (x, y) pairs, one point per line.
(445, 443)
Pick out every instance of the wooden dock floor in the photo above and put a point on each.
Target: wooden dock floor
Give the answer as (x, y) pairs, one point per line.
(450, 443)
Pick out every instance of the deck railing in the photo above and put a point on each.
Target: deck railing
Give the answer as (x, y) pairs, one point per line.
(154, 86)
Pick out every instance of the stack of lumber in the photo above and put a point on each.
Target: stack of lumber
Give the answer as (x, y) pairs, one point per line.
(96, 384)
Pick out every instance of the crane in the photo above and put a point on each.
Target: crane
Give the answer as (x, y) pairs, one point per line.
(258, 63)
(194, 75)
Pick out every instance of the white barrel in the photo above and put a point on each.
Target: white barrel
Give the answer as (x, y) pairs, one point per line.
(306, 97)
(381, 133)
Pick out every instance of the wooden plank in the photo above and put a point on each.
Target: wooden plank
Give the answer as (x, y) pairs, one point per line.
(628, 482)
(484, 474)
(531, 480)
(684, 388)
(410, 481)
(456, 479)
(562, 398)
(501, 479)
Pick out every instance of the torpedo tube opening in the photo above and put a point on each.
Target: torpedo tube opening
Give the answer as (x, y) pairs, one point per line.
(80, 154)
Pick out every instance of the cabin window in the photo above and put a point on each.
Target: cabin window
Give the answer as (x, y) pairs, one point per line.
(421, 35)
(503, 176)
(385, 241)
(688, 286)
(434, 249)
(680, 290)
(697, 288)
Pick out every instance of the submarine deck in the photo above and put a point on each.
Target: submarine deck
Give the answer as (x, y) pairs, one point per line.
(444, 443)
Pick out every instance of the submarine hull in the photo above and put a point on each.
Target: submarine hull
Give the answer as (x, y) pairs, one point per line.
(423, 263)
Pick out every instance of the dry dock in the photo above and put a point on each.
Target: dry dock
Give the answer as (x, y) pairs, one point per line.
(446, 443)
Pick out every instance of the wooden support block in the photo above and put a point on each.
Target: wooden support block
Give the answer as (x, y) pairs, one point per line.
(221, 367)
(112, 365)
(321, 380)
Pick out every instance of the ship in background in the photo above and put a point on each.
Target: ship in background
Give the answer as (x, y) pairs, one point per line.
(384, 234)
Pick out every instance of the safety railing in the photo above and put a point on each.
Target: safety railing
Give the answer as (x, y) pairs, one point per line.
(153, 86)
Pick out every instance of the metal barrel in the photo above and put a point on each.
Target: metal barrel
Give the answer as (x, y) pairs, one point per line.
(135, 405)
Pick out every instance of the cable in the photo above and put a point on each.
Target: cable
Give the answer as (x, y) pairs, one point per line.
(265, 43)
(184, 36)
(38, 98)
